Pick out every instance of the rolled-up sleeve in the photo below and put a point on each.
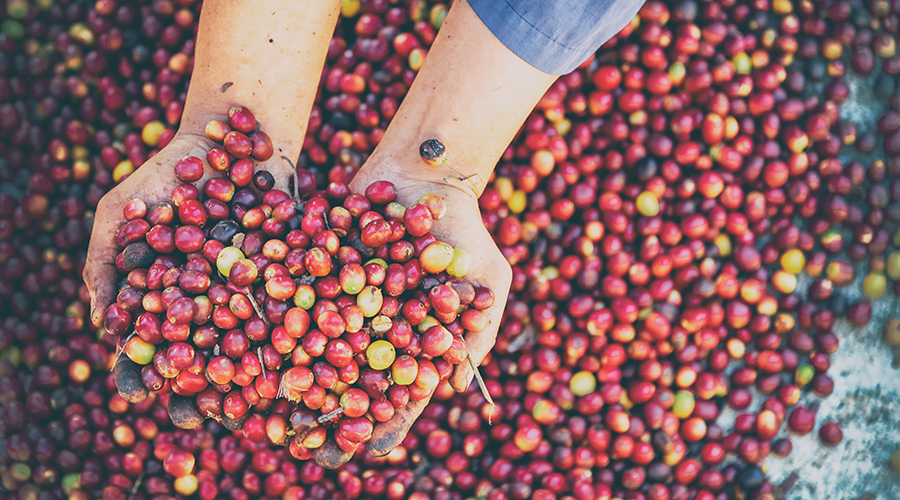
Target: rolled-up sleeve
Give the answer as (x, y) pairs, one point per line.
(555, 36)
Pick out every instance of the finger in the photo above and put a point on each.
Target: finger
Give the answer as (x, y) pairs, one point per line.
(282, 169)
(103, 290)
(128, 381)
(100, 268)
(330, 456)
(388, 435)
(481, 343)
(183, 412)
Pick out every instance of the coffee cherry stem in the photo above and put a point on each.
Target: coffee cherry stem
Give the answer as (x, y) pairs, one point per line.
(283, 391)
(259, 312)
(328, 416)
(524, 339)
(481, 384)
(136, 486)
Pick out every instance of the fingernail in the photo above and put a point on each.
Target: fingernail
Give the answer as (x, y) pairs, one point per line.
(377, 452)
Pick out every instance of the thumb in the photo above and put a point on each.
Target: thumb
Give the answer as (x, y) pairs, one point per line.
(481, 343)
(103, 293)
(330, 456)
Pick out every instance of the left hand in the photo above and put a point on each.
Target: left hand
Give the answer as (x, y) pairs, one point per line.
(461, 227)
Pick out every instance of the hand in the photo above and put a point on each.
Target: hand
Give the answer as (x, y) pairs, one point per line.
(461, 227)
(152, 182)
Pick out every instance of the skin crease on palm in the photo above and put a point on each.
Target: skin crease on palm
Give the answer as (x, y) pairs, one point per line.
(475, 117)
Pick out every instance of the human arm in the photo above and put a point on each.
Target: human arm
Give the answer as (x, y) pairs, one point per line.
(264, 55)
(472, 94)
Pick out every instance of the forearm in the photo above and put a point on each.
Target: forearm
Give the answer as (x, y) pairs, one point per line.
(267, 56)
(472, 94)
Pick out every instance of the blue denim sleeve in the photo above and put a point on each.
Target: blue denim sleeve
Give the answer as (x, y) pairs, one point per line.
(555, 36)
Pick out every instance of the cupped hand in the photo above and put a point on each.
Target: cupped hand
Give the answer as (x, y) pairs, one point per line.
(152, 182)
(461, 227)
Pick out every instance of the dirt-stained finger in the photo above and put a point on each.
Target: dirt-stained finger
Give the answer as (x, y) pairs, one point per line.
(388, 435)
(183, 412)
(330, 456)
(128, 381)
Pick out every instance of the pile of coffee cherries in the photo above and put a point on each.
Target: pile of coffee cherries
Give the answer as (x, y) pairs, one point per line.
(237, 295)
(700, 168)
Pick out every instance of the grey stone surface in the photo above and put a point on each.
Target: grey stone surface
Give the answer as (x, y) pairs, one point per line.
(866, 398)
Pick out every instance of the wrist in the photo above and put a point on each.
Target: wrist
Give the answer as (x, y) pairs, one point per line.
(191, 138)
(400, 163)
(414, 178)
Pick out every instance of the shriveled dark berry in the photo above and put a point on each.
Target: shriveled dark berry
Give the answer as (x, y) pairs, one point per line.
(433, 152)
(138, 255)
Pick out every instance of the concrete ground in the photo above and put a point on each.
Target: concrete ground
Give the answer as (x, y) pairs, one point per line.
(866, 398)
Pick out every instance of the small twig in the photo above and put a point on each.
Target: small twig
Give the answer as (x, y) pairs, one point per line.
(119, 350)
(422, 467)
(328, 416)
(258, 309)
(789, 482)
(523, 339)
(781, 490)
(136, 485)
(261, 364)
(296, 179)
(481, 384)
